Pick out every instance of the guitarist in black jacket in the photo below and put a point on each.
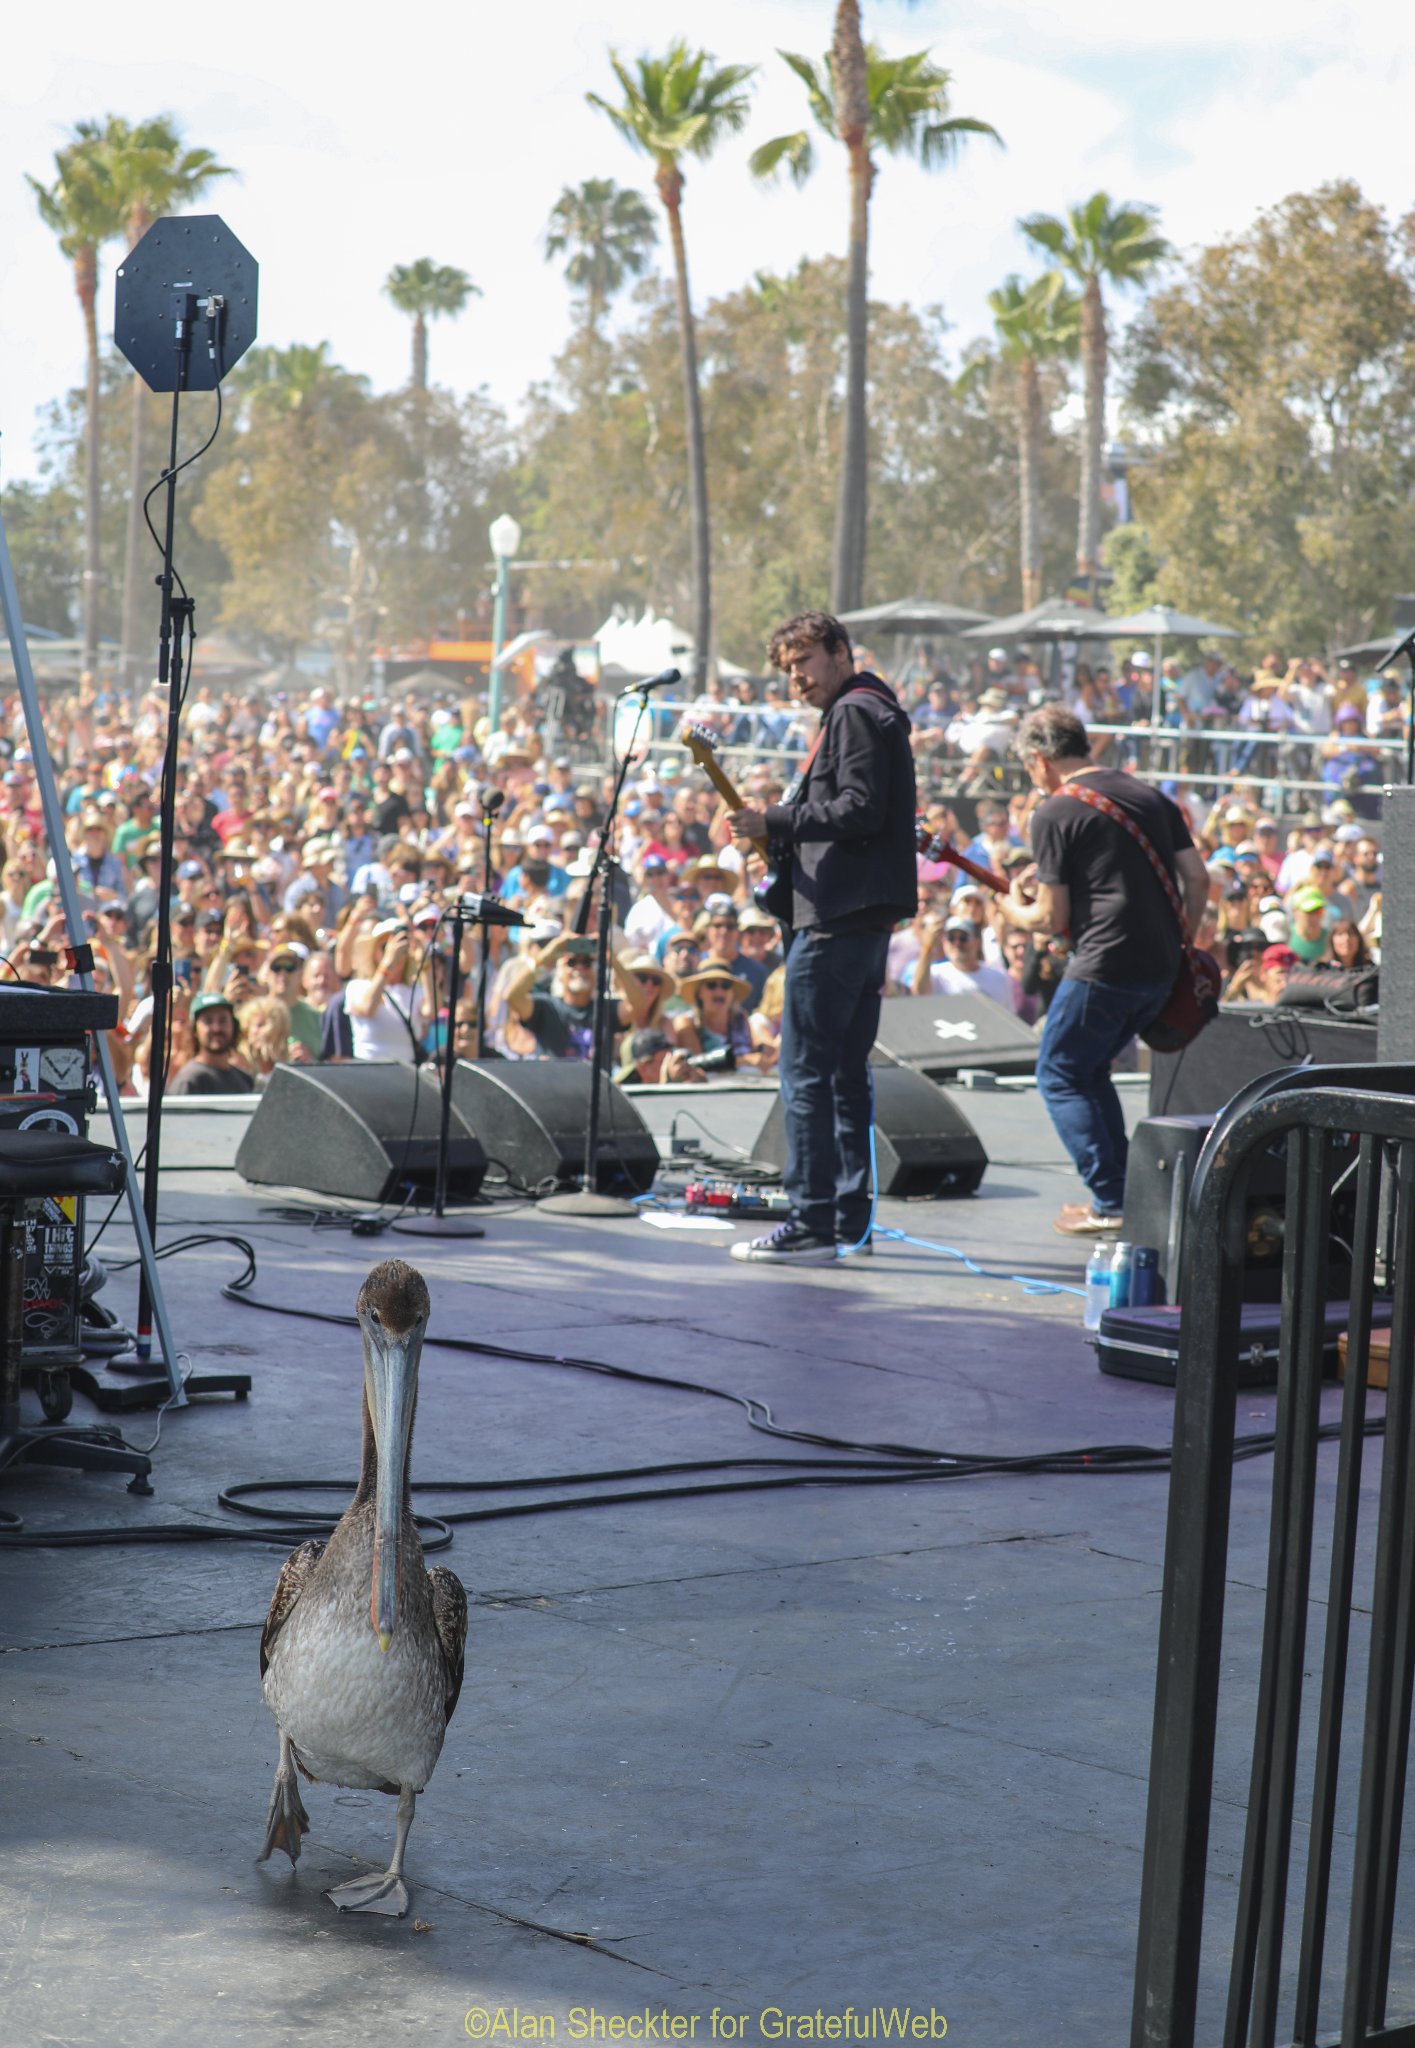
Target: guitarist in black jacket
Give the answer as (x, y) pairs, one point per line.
(847, 827)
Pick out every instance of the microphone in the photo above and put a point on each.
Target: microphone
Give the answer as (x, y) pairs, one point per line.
(490, 910)
(659, 682)
(491, 799)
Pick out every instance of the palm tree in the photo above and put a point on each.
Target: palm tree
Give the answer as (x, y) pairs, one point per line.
(607, 233)
(677, 106)
(1034, 322)
(869, 102)
(1096, 243)
(153, 173)
(426, 291)
(81, 209)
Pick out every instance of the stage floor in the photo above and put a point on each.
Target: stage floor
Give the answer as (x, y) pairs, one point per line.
(748, 1755)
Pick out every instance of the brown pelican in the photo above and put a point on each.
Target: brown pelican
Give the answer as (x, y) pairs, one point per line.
(362, 1651)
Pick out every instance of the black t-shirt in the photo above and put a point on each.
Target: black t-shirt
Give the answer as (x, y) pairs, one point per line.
(388, 815)
(197, 1078)
(559, 1029)
(1122, 927)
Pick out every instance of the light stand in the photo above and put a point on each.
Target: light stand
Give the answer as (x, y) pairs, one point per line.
(439, 1224)
(587, 1200)
(183, 271)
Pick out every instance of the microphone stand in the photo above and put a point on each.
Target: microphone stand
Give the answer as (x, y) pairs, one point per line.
(587, 1200)
(439, 1224)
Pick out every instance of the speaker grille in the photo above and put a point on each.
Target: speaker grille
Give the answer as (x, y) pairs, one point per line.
(532, 1117)
(362, 1129)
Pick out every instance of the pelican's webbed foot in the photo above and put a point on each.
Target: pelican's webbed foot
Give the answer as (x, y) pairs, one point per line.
(287, 1822)
(383, 1893)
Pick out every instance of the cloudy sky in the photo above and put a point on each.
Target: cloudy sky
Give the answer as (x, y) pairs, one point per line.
(358, 151)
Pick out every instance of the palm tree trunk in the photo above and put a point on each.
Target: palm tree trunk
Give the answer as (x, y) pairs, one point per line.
(135, 634)
(1029, 451)
(419, 352)
(848, 69)
(670, 191)
(1093, 357)
(86, 284)
(134, 628)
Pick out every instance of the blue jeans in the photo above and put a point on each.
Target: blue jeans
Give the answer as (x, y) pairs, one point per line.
(1088, 1024)
(828, 1024)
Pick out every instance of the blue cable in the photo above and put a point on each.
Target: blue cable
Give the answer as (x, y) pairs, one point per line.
(1025, 1281)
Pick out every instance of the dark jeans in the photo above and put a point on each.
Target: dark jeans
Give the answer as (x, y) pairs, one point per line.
(1088, 1024)
(828, 1024)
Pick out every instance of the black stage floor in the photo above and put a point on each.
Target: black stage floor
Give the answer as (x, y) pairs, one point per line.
(794, 1751)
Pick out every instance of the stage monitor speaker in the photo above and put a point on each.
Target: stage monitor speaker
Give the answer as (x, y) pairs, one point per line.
(532, 1117)
(936, 1035)
(1246, 1040)
(924, 1145)
(361, 1128)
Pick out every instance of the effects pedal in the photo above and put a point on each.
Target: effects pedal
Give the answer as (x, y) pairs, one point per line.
(736, 1198)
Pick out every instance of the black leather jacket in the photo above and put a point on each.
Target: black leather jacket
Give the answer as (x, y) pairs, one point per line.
(851, 826)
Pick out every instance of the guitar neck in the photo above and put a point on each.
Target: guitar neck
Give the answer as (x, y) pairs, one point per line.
(715, 776)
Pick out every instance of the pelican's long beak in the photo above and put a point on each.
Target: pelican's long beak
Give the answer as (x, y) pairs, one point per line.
(391, 1375)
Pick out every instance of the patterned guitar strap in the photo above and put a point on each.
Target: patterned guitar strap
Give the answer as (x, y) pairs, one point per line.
(1109, 809)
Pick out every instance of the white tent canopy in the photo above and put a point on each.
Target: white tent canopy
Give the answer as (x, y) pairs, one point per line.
(641, 647)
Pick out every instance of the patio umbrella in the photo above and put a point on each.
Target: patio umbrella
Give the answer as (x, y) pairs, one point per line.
(1161, 622)
(916, 617)
(1055, 618)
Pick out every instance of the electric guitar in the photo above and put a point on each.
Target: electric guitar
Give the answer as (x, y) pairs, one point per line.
(773, 892)
(937, 846)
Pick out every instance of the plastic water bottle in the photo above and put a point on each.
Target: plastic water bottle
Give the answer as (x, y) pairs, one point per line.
(1120, 1270)
(1097, 1286)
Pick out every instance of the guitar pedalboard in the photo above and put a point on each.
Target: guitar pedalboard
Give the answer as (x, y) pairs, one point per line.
(736, 1198)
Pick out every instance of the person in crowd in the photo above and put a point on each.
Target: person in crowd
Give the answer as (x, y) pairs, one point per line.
(962, 970)
(651, 1056)
(215, 1066)
(281, 975)
(1310, 934)
(384, 1006)
(719, 1026)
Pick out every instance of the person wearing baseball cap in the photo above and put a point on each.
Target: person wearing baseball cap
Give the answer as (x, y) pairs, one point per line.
(214, 1068)
(1307, 915)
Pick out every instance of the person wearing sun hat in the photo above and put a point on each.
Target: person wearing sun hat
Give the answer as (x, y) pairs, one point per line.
(718, 1026)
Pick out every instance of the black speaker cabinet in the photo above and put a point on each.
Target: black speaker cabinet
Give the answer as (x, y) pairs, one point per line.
(924, 1145)
(937, 1035)
(1159, 1175)
(1246, 1040)
(532, 1117)
(362, 1128)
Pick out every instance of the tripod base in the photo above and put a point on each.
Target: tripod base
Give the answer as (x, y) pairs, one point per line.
(436, 1226)
(586, 1202)
(143, 1390)
(81, 1450)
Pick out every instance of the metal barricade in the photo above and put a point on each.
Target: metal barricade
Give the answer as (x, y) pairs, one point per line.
(1357, 1127)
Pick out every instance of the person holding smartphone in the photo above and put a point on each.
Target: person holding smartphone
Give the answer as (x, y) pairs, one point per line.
(385, 1009)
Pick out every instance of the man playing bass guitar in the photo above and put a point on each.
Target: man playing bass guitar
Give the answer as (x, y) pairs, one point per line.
(848, 826)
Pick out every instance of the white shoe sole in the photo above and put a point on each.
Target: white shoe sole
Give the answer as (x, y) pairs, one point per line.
(824, 1255)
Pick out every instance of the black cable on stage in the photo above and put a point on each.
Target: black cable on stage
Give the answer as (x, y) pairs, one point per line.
(873, 1464)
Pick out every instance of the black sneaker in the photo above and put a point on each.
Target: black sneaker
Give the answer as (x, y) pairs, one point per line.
(790, 1244)
(849, 1248)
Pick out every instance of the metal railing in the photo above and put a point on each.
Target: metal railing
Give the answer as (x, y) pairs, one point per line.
(1351, 1129)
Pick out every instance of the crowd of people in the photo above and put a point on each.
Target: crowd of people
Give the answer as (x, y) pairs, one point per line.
(319, 847)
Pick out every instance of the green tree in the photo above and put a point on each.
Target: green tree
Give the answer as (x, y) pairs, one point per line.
(1096, 244)
(1129, 555)
(599, 483)
(674, 107)
(427, 291)
(607, 233)
(1036, 323)
(82, 209)
(1274, 382)
(151, 172)
(42, 529)
(871, 103)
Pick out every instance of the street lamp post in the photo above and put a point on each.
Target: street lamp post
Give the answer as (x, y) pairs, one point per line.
(505, 536)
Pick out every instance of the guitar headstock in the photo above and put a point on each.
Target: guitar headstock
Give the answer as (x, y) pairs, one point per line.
(701, 745)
